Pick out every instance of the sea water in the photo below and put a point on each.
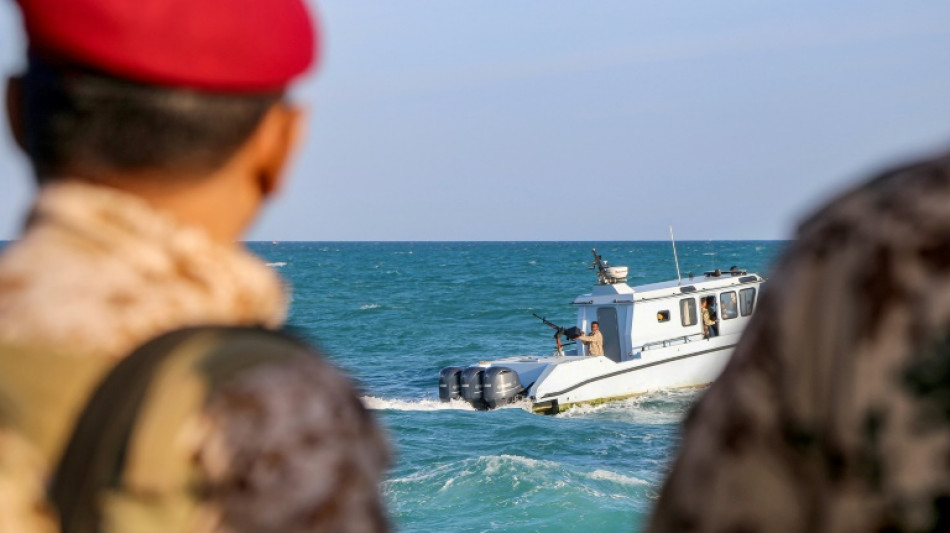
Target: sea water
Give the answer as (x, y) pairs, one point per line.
(393, 314)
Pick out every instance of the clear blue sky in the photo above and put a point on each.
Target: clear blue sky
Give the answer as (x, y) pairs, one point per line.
(590, 120)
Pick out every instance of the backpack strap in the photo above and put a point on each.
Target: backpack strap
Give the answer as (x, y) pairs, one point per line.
(125, 467)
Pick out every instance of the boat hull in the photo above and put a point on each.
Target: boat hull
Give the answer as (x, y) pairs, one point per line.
(599, 379)
(553, 384)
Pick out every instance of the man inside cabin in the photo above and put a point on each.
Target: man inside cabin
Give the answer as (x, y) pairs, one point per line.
(595, 341)
(156, 131)
(710, 326)
(833, 413)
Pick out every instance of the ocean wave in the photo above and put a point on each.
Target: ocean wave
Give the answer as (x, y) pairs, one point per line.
(486, 465)
(494, 463)
(606, 475)
(277, 264)
(541, 474)
(369, 306)
(384, 404)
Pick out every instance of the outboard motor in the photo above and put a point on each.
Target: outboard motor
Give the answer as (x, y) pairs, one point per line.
(450, 388)
(471, 385)
(500, 385)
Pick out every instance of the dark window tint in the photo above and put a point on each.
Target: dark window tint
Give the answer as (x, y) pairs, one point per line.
(607, 318)
(663, 316)
(728, 305)
(746, 301)
(688, 311)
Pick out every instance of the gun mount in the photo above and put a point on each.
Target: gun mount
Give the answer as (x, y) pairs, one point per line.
(608, 275)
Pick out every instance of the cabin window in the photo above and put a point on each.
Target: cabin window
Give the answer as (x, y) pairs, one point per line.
(746, 301)
(728, 305)
(688, 311)
(663, 316)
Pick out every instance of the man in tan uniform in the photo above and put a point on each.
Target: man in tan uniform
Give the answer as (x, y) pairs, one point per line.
(156, 131)
(834, 412)
(594, 341)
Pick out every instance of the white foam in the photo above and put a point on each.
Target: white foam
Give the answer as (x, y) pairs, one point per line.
(369, 306)
(495, 462)
(614, 477)
(552, 471)
(657, 407)
(540, 476)
(277, 264)
(372, 402)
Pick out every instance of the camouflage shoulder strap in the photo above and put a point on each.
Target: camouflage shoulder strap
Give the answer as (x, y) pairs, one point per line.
(119, 467)
(42, 389)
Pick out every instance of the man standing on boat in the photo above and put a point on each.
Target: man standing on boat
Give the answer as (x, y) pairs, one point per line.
(595, 341)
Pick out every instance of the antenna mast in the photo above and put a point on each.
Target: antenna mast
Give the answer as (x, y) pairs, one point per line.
(679, 279)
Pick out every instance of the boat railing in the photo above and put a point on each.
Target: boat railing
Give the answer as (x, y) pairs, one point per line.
(682, 339)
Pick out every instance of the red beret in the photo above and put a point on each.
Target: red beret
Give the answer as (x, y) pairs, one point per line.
(216, 45)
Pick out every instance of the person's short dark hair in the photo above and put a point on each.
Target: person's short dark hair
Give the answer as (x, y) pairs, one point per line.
(595, 323)
(74, 118)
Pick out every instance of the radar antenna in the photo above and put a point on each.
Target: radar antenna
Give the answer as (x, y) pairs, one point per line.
(679, 278)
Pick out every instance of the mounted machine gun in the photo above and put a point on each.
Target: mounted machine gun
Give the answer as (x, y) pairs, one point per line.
(570, 333)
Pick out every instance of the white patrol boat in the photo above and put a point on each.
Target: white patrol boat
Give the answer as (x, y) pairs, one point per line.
(653, 338)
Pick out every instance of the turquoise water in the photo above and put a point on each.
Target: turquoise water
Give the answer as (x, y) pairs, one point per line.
(393, 314)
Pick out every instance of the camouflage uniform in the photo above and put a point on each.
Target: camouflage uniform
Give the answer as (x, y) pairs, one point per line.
(98, 272)
(834, 412)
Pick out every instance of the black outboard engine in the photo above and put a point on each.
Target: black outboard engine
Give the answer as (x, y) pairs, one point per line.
(450, 388)
(500, 386)
(471, 384)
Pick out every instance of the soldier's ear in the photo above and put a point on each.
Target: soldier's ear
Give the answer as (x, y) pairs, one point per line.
(274, 141)
(15, 110)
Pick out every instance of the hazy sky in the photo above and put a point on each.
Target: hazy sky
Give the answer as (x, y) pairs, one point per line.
(590, 120)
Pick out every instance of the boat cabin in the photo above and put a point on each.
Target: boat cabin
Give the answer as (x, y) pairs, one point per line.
(635, 320)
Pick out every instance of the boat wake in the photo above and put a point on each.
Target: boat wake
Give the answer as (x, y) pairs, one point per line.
(657, 407)
(427, 404)
(388, 404)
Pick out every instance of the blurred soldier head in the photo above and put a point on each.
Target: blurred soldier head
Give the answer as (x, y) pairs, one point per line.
(181, 102)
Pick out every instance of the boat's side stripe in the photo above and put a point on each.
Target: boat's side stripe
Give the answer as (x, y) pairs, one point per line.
(634, 369)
